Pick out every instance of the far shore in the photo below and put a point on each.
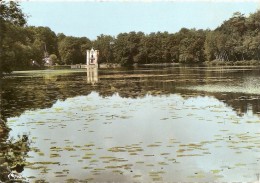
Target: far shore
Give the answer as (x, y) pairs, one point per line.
(206, 63)
(245, 63)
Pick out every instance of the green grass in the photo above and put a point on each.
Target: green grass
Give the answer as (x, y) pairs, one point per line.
(235, 63)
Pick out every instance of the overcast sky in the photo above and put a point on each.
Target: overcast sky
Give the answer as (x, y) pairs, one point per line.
(90, 19)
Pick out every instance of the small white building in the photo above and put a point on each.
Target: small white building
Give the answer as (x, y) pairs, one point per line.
(47, 61)
(92, 57)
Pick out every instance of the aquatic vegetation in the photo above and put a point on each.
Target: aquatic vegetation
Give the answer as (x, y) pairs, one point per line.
(143, 126)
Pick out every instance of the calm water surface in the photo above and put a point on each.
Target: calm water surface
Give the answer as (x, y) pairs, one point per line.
(148, 124)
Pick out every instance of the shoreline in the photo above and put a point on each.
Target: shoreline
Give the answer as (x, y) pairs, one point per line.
(233, 63)
(246, 63)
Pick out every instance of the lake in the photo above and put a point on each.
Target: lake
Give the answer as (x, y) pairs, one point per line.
(166, 124)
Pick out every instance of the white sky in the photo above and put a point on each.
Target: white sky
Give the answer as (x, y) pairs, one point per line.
(92, 18)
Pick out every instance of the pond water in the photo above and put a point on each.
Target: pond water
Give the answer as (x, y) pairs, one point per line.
(189, 124)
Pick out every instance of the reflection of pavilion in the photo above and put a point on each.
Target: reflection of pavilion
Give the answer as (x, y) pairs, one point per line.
(92, 75)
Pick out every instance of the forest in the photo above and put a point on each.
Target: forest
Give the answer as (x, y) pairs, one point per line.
(23, 47)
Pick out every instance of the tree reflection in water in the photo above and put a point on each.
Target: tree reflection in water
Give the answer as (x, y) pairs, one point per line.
(41, 89)
(25, 91)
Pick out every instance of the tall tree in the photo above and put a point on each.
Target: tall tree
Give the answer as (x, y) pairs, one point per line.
(11, 16)
(105, 45)
(127, 48)
(72, 50)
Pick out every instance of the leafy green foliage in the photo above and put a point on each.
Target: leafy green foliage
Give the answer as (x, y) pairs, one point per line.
(127, 48)
(237, 39)
(54, 59)
(72, 50)
(12, 13)
(10, 17)
(105, 43)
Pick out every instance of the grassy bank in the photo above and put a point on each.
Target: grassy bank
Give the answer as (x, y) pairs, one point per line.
(235, 63)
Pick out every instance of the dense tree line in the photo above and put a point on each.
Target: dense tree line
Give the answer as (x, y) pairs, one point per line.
(236, 39)
(25, 47)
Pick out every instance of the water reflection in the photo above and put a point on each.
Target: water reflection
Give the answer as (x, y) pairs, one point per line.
(92, 75)
(196, 138)
(46, 105)
(49, 86)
